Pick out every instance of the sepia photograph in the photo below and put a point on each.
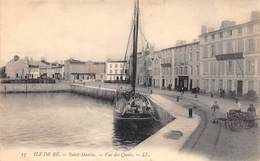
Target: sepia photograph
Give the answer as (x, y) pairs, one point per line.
(129, 80)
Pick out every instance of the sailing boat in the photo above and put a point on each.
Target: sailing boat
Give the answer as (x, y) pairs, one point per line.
(131, 106)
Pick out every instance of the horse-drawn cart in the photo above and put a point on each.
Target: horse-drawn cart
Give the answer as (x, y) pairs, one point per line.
(237, 120)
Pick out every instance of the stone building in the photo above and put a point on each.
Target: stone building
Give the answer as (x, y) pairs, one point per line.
(83, 71)
(186, 65)
(230, 57)
(167, 63)
(156, 69)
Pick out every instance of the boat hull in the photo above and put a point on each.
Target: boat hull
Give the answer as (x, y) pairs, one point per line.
(134, 120)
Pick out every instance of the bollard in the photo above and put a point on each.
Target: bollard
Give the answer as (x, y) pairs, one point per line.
(211, 95)
(178, 98)
(5, 90)
(196, 96)
(190, 112)
(236, 99)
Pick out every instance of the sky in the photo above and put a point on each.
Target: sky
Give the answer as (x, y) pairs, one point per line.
(98, 29)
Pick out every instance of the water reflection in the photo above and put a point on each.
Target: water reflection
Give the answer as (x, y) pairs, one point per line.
(130, 134)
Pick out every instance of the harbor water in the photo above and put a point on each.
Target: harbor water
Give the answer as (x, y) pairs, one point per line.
(63, 120)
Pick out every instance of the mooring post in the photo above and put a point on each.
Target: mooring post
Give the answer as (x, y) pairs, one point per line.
(5, 89)
(26, 86)
(190, 112)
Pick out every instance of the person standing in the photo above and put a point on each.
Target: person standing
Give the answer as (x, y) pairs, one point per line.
(214, 108)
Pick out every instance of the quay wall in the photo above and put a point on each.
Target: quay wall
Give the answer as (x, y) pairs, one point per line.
(96, 92)
(33, 87)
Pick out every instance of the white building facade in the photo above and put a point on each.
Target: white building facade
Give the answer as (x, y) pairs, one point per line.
(230, 57)
(116, 71)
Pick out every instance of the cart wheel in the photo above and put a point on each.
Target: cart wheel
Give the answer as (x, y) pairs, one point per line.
(235, 125)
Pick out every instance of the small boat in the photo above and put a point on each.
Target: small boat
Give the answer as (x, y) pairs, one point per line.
(131, 107)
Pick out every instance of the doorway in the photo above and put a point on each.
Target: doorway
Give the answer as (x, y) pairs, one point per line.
(190, 84)
(239, 88)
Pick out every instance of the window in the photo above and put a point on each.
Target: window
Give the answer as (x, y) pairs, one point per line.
(121, 65)
(191, 70)
(205, 51)
(230, 67)
(258, 45)
(229, 85)
(206, 84)
(250, 28)
(205, 68)
(240, 45)
(230, 33)
(220, 48)
(206, 38)
(221, 67)
(250, 66)
(212, 37)
(221, 34)
(111, 65)
(251, 85)
(220, 84)
(239, 31)
(239, 67)
(198, 70)
(250, 45)
(115, 65)
(213, 50)
(258, 68)
(185, 70)
(110, 72)
(212, 68)
(229, 47)
(190, 56)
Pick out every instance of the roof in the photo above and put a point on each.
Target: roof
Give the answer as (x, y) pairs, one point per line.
(182, 45)
(231, 27)
(74, 61)
(116, 61)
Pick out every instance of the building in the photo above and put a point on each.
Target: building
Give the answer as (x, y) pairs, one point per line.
(186, 65)
(116, 71)
(29, 68)
(55, 71)
(83, 71)
(167, 62)
(100, 70)
(156, 69)
(144, 67)
(230, 57)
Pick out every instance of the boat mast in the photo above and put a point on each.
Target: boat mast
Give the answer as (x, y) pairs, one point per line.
(135, 44)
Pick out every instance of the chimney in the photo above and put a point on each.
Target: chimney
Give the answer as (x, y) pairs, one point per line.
(255, 15)
(210, 29)
(204, 29)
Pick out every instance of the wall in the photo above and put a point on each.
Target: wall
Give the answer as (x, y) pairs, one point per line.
(23, 88)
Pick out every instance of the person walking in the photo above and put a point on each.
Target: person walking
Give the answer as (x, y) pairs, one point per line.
(214, 108)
